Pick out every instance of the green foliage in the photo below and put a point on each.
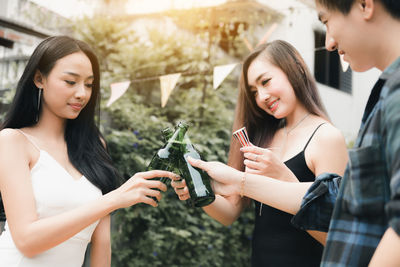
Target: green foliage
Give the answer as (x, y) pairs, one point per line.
(5, 101)
(173, 234)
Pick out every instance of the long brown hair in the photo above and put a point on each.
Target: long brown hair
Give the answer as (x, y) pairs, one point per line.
(261, 126)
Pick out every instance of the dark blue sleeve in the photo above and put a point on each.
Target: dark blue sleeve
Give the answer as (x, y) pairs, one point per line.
(318, 203)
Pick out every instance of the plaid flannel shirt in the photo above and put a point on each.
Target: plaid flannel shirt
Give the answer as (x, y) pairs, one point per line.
(368, 201)
(318, 203)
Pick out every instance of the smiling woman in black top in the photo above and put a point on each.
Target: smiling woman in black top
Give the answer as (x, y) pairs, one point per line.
(293, 141)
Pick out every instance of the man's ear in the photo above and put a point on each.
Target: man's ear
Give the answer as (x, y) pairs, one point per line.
(367, 8)
(38, 79)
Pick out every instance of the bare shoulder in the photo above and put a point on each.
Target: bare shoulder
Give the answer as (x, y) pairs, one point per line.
(327, 151)
(12, 136)
(327, 140)
(329, 134)
(13, 140)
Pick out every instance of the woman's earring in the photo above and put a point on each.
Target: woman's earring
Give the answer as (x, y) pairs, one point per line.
(38, 103)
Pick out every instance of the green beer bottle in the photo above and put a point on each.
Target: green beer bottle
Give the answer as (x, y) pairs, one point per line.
(197, 180)
(162, 159)
(167, 134)
(166, 155)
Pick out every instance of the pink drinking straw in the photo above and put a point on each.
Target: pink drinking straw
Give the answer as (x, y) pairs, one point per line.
(242, 136)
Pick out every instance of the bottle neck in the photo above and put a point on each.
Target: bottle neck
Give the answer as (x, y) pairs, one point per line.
(167, 134)
(187, 143)
(177, 137)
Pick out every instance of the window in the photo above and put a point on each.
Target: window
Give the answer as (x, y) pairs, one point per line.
(327, 66)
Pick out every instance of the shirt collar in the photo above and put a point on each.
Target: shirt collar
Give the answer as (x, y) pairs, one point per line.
(390, 69)
(376, 91)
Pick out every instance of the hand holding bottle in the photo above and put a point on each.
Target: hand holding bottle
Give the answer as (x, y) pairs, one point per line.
(225, 180)
(200, 184)
(173, 157)
(181, 189)
(140, 188)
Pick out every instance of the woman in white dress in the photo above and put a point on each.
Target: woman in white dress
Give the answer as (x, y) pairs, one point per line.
(56, 179)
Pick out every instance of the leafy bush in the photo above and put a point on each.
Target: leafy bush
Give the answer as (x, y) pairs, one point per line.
(173, 234)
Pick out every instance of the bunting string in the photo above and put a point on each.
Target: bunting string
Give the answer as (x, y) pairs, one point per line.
(185, 73)
(168, 81)
(192, 73)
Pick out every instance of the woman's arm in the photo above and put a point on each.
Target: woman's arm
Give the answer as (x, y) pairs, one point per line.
(319, 236)
(224, 209)
(100, 251)
(227, 181)
(33, 235)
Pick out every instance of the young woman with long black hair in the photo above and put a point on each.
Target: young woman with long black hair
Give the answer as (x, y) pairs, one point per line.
(57, 182)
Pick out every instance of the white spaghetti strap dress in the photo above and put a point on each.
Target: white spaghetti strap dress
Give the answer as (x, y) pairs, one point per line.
(55, 191)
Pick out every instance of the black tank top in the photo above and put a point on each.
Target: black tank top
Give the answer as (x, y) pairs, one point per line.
(275, 241)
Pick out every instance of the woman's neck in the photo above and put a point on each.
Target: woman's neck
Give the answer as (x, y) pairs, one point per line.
(293, 119)
(51, 126)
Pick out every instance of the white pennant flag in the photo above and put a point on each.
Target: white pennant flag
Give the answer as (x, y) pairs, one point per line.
(345, 64)
(264, 39)
(248, 44)
(167, 83)
(117, 90)
(220, 73)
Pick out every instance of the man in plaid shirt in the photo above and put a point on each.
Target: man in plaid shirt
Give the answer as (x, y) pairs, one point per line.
(365, 224)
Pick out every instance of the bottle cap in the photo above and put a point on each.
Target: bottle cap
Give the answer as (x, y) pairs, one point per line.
(183, 124)
(166, 131)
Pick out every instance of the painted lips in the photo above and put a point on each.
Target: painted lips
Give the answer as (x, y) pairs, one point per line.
(273, 105)
(76, 106)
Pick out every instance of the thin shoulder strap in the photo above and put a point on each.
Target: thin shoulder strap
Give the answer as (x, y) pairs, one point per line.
(313, 135)
(29, 138)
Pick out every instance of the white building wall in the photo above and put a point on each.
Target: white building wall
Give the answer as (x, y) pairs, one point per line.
(345, 110)
(31, 16)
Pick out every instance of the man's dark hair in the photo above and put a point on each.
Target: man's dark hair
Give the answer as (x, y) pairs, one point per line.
(344, 6)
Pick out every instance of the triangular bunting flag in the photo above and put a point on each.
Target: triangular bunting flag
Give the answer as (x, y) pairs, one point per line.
(117, 90)
(167, 83)
(345, 64)
(247, 43)
(220, 73)
(264, 39)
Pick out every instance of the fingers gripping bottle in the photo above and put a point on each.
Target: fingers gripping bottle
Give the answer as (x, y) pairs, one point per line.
(162, 159)
(197, 180)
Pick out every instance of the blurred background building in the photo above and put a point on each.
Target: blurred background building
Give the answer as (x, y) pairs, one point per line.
(24, 23)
